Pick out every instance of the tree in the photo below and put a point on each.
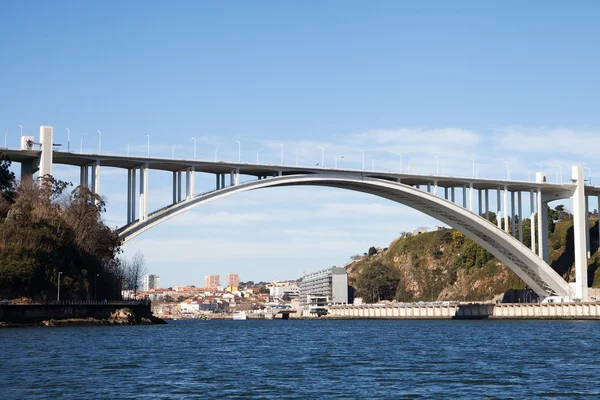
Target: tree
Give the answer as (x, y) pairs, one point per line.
(7, 178)
(134, 272)
(372, 251)
(377, 282)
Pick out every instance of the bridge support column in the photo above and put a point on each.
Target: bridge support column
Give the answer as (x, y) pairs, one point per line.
(82, 181)
(144, 192)
(222, 181)
(587, 228)
(174, 187)
(428, 187)
(452, 194)
(471, 197)
(542, 208)
(133, 192)
(179, 179)
(505, 209)
(487, 204)
(188, 184)
(96, 167)
(464, 197)
(479, 204)
(520, 211)
(435, 188)
(512, 214)
(579, 218)
(237, 176)
(498, 209)
(193, 181)
(129, 196)
(446, 193)
(231, 179)
(532, 209)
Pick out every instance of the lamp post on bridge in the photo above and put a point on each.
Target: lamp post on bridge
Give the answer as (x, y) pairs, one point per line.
(477, 171)
(148, 136)
(529, 171)
(473, 161)
(336, 158)
(68, 140)
(561, 176)
(279, 144)
(589, 175)
(216, 153)
(322, 157)
(81, 145)
(99, 142)
(437, 165)
(239, 151)
(194, 139)
(507, 171)
(21, 130)
(58, 288)
(401, 162)
(363, 159)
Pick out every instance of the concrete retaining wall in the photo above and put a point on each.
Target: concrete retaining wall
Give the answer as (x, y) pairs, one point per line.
(471, 311)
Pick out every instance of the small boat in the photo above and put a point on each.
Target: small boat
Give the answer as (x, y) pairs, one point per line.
(239, 316)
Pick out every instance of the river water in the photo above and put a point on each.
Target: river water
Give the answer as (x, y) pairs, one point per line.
(304, 360)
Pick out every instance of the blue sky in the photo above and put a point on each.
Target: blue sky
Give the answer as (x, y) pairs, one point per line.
(492, 81)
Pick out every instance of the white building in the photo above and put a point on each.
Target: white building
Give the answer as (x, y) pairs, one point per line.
(277, 290)
(151, 282)
(328, 286)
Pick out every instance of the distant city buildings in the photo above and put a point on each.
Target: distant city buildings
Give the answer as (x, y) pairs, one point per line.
(328, 286)
(233, 281)
(211, 281)
(283, 291)
(151, 282)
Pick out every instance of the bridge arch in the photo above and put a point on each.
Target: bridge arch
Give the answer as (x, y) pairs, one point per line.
(534, 271)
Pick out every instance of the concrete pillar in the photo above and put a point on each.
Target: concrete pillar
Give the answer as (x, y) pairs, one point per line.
(505, 209)
(532, 209)
(587, 228)
(218, 176)
(46, 139)
(82, 181)
(498, 208)
(96, 168)
(193, 182)
(179, 176)
(174, 187)
(464, 197)
(452, 194)
(520, 211)
(86, 176)
(142, 193)
(428, 187)
(487, 204)
(188, 184)
(280, 173)
(231, 178)
(512, 214)
(93, 180)
(129, 196)
(471, 197)
(542, 227)
(146, 194)
(446, 193)
(133, 192)
(579, 218)
(435, 188)
(237, 176)
(479, 204)
(222, 181)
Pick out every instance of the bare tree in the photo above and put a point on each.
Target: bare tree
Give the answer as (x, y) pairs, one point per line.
(134, 272)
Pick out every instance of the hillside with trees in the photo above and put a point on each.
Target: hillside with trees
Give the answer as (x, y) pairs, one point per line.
(444, 265)
(46, 228)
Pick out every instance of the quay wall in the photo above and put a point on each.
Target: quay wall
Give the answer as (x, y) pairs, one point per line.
(471, 311)
(35, 313)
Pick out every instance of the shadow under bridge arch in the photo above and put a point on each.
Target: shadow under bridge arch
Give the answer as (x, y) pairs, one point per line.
(534, 271)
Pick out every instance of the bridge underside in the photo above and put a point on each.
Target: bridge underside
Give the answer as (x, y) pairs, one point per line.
(536, 273)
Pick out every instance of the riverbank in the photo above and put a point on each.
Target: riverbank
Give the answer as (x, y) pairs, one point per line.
(73, 313)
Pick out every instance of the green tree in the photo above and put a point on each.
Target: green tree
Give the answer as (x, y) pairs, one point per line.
(378, 281)
(372, 251)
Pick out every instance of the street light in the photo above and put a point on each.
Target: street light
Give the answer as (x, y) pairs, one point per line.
(297, 155)
(561, 179)
(194, 139)
(529, 171)
(473, 166)
(81, 145)
(437, 165)
(401, 166)
(336, 158)
(239, 151)
(148, 136)
(507, 171)
(258, 151)
(540, 165)
(322, 157)
(68, 140)
(589, 175)
(363, 159)
(21, 130)
(216, 153)
(58, 288)
(99, 142)
(477, 171)
(281, 152)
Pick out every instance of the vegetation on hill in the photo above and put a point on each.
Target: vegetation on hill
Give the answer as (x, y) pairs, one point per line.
(445, 265)
(44, 231)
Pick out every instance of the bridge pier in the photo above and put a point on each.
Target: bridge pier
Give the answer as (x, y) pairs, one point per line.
(587, 228)
(580, 217)
(520, 211)
(487, 204)
(532, 219)
(143, 192)
(471, 197)
(464, 196)
(498, 209)
(505, 208)
(479, 202)
(512, 214)
(452, 194)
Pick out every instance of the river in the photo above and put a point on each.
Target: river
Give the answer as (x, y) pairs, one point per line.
(304, 360)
